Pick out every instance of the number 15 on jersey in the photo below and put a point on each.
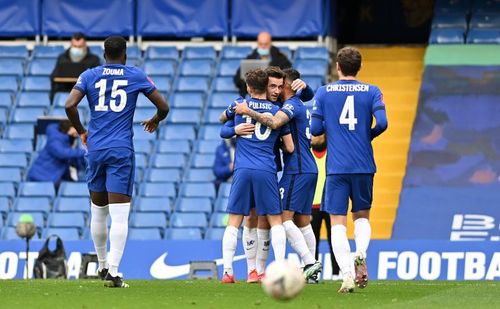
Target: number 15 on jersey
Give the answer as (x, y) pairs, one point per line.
(101, 107)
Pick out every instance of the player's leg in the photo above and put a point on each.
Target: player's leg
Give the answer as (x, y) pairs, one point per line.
(362, 192)
(303, 216)
(263, 242)
(120, 171)
(335, 266)
(249, 239)
(337, 192)
(99, 210)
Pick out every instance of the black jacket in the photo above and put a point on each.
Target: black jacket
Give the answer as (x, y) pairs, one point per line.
(67, 68)
(277, 59)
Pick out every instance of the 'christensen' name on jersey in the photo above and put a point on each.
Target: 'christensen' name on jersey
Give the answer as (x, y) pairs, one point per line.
(347, 87)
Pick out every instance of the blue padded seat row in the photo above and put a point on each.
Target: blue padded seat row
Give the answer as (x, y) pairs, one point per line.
(44, 51)
(212, 116)
(158, 189)
(199, 175)
(224, 84)
(446, 36)
(235, 52)
(33, 99)
(32, 204)
(313, 81)
(209, 146)
(6, 99)
(16, 51)
(73, 189)
(153, 204)
(66, 219)
(187, 99)
(19, 130)
(13, 218)
(4, 208)
(65, 233)
(184, 116)
(45, 188)
(139, 133)
(312, 53)
(8, 83)
(192, 83)
(170, 160)
(27, 114)
(195, 219)
(228, 67)
(194, 204)
(485, 20)
(72, 204)
(178, 132)
(60, 100)
(36, 83)
(209, 132)
(133, 52)
(142, 146)
(197, 190)
(162, 52)
(163, 175)
(12, 66)
(173, 146)
(141, 160)
(163, 83)
(314, 67)
(196, 67)
(450, 20)
(218, 219)
(143, 113)
(285, 50)
(9, 233)
(160, 67)
(13, 160)
(215, 233)
(41, 66)
(224, 190)
(173, 233)
(10, 174)
(192, 52)
(135, 233)
(222, 99)
(16, 145)
(221, 204)
(148, 219)
(7, 189)
(484, 36)
(203, 160)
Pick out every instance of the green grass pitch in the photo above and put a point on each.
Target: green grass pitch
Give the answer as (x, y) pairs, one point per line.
(209, 294)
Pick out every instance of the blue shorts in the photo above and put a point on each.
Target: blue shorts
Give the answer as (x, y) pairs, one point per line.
(254, 188)
(340, 187)
(297, 192)
(111, 170)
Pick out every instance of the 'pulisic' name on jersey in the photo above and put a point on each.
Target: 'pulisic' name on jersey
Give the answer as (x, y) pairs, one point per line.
(107, 71)
(259, 105)
(348, 87)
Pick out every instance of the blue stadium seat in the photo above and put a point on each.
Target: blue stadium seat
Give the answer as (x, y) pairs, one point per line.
(144, 234)
(313, 81)
(66, 219)
(221, 204)
(10, 174)
(143, 113)
(27, 114)
(4, 208)
(175, 146)
(66, 233)
(194, 204)
(486, 20)
(484, 36)
(446, 36)
(183, 234)
(228, 67)
(17, 51)
(134, 52)
(183, 220)
(206, 146)
(12, 66)
(450, 20)
(210, 132)
(61, 112)
(184, 116)
(16, 145)
(212, 115)
(313, 67)
(286, 51)
(3, 118)
(142, 146)
(163, 175)
(199, 175)
(197, 190)
(153, 204)
(60, 100)
(7, 189)
(160, 67)
(13, 218)
(37, 189)
(32, 204)
(168, 161)
(163, 83)
(222, 99)
(41, 66)
(312, 53)
(178, 132)
(235, 52)
(148, 219)
(19, 130)
(73, 189)
(8, 83)
(143, 101)
(215, 233)
(139, 133)
(141, 160)
(192, 83)
(158, 189)
(6, 99)
(202, 160)
(72, 204)
(162, 52)
(33, 98)
(199, 53)
(9, 233)
(43, 51)
(36, 83)
(224, 190)
(187, 99)
(97, 50)
(13, 160)
(218, 219)
(224, 84)
(196, 67)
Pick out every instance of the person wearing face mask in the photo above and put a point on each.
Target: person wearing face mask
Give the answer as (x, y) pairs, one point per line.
(71, 63)
(265, 50)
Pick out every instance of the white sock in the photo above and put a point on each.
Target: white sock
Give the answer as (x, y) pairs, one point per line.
(297, 241)
(262, 249)
(99, 232)
(362, 235)
(278, 241)
(341, 249)
(250, 247)
(310, 238)
(229, 242)
(117, 234)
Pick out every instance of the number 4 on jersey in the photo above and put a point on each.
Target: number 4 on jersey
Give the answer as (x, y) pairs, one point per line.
(347, 116)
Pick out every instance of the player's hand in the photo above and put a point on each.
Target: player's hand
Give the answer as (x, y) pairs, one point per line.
(83, 138)
(241, 108)
(244, 129)
(151, 124)
(298, 84)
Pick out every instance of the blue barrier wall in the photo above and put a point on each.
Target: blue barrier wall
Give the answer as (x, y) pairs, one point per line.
(19, 18)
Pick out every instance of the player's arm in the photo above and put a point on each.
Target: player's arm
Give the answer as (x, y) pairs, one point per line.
(228, 113)
(288, 145)
(273, 122)
(381, 122)
(162, 109)
(229, 130)
(318, 143)
(71, 107)
(317, 121)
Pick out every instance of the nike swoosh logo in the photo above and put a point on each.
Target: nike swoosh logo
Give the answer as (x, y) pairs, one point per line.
(161, 270)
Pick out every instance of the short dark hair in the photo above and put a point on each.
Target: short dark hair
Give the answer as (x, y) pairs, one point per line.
(257, 80)
(291, 74)
(349, 60)
(78, 36)
(275, 72)
(65, 125)
(115, 47)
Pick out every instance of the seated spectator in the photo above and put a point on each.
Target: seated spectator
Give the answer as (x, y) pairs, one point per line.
(72, 63)
(265, 50)
(224, 161)
(54, 160)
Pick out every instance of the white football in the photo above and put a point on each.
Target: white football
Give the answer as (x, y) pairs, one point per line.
(283, 280)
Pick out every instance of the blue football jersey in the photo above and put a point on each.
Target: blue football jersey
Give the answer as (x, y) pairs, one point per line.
(256, 151)
(301, 161)
(112, 91)
(347, 108)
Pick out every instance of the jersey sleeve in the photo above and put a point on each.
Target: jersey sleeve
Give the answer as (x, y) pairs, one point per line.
(317, 127)
(146, 84)
(378, 100)
(81, 83)
(289, 108)
(230, 109)
(285, 130)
